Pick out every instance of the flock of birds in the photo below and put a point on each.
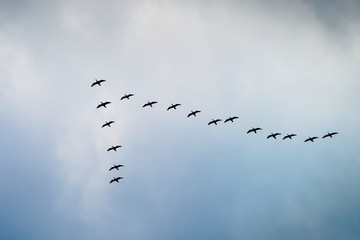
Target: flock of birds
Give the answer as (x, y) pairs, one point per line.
(192, 113)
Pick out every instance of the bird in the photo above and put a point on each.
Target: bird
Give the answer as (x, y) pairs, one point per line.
(173, 106)
(116, 179)
(193, 113)
(214, 121)
(103, 104)
(127, 96)
(289, 136)
(149, 104)
(114, 148)
(273, 135)
(310, 139)
(98, 82)
(107, 124)
(230, 119)
(254, 130)
(330, 134)
(115, 167)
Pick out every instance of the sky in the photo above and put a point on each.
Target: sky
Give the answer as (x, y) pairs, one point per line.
(284, 66)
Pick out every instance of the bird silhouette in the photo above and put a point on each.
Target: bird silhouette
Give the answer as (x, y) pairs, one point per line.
(289, 136)
(273, 135)
(114, 148)
(127, 96)
(98, 82)
(116, 179)
(214, 121)
(193, 113)
(107, 124)
(173, 106)
(330, 134)
(149, 104)
(310, 139)
(116, 167)
(103, 104)
(254, 130)
(230, 119)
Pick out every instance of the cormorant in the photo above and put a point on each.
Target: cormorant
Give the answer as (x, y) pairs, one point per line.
(114, 148)
(214, 121)
(310, 139)
(273, 135)
(254, 130)
(115, 167)
(330, 134)
(116, 179)
(127, 96)
(103, 104)
(193, 113)
(149, 104)
(173, 106)
(289, 136)
(230, 119)
(107, 124)
(98, 82)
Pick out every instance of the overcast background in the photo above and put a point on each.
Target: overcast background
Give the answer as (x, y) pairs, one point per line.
(285, 66)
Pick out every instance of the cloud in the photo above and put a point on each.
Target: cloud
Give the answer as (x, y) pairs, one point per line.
(276, 65)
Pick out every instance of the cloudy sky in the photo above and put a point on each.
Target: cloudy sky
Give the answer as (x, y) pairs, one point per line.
(285, 66)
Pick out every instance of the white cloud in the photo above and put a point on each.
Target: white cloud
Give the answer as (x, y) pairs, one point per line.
(274, 64)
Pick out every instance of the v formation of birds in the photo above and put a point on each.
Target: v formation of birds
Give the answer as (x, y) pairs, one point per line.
(192, 113)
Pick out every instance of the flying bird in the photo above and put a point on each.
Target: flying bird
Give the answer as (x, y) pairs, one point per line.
(98, 82)
(330, 134)
(114, 148)
(254, 130)
(149, 104)
(273, 135)
(173, 106)
(214, 121)
(193, 113)
(289, 136)
(310, 139)
(127, 96)
(107, 124)
(116, 179)
(115, 167)
(103, 104)
(230, 119)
